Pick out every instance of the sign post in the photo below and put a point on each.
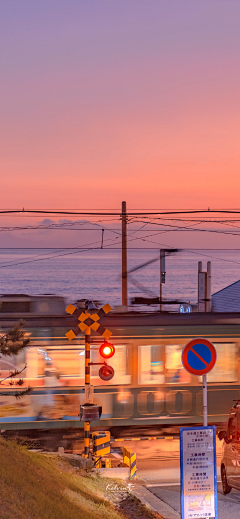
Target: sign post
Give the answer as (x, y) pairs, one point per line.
(198, 444)
(204, 389)
(198, 358)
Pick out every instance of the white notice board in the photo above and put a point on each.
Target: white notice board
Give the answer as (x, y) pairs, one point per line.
(198, 473)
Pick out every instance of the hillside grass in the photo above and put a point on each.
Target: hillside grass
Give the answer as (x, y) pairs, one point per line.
(33, 486)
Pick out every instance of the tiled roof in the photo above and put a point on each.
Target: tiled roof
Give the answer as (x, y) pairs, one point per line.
(227, 299)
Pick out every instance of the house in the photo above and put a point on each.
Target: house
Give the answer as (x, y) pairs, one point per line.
(227, 299)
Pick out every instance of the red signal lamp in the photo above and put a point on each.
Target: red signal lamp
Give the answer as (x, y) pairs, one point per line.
(106, 372)
(107, 350)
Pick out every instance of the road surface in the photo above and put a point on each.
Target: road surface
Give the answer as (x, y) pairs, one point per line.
(158, 469)
(229, 506)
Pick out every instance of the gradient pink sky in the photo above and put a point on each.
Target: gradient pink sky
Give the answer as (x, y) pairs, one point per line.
(104, 101)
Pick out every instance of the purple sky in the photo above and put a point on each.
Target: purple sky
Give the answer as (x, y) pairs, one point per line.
(104, 101)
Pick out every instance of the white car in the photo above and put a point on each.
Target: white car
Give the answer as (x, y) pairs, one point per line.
(230, 464)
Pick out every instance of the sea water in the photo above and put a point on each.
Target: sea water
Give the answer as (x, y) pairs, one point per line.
(96, 274)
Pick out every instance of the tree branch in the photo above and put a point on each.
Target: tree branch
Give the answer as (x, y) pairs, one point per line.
(13, 374)
(18, 394)
(13, 341)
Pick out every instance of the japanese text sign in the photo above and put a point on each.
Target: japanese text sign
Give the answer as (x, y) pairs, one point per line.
(198, 473)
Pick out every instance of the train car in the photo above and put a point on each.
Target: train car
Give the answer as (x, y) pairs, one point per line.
(150, 387)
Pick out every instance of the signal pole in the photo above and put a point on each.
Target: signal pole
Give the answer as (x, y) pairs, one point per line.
(124, 255)
(87, 387)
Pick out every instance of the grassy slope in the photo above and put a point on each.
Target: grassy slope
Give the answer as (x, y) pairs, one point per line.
(32, 487)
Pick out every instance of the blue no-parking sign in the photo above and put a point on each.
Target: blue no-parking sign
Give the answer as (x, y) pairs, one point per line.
(199, 356)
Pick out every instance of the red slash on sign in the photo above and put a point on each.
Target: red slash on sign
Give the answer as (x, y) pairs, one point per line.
(199, 356)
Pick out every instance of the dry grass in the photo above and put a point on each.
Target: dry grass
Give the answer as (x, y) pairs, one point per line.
(33, 486)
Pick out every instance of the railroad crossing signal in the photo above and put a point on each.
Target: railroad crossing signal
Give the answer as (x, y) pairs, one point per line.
(88, 321)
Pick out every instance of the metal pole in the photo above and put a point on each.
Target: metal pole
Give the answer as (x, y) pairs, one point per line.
(199, 270)
(124, 255)
(208, 302)
(160, 307)
(202, 282)
(162, 273)
(205, 411)
(87, 383)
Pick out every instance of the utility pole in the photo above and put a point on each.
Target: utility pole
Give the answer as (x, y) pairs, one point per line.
(204, 288)
(124, 255)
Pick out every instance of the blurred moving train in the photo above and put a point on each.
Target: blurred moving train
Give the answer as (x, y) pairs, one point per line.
(149, 388)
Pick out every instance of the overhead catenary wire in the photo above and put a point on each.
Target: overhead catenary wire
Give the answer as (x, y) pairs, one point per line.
(183, 249)
(86, 249)
(115, 213)
(164, 228)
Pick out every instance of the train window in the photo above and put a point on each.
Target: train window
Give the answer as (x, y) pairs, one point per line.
(151, 364)
(64, 361)
(175, 372)
(20, 362)
(14, 307)
(6, 365)
(118, 362)
(41, 363)
(95, 357)
(225, 369)
(11, 363)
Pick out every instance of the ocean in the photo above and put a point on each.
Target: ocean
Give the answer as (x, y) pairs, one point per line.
(96, 274)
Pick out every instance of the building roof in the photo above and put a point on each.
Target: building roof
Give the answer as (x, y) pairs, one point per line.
(227, 299)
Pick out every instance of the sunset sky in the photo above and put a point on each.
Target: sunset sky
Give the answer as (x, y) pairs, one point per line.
(111, 100)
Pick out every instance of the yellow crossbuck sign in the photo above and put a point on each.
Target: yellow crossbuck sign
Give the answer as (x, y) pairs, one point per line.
(88, 321)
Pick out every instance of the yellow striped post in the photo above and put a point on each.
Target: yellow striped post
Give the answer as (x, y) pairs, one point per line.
(130, 458)
(101, 443)
(86, 439)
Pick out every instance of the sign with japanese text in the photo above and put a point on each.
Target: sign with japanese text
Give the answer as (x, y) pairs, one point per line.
(198, 473)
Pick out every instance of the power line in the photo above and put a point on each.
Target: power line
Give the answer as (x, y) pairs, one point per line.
(183, 249)
(191, 251)
(139, 208)
(77, 251)
(67, 226)
(117, 213)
